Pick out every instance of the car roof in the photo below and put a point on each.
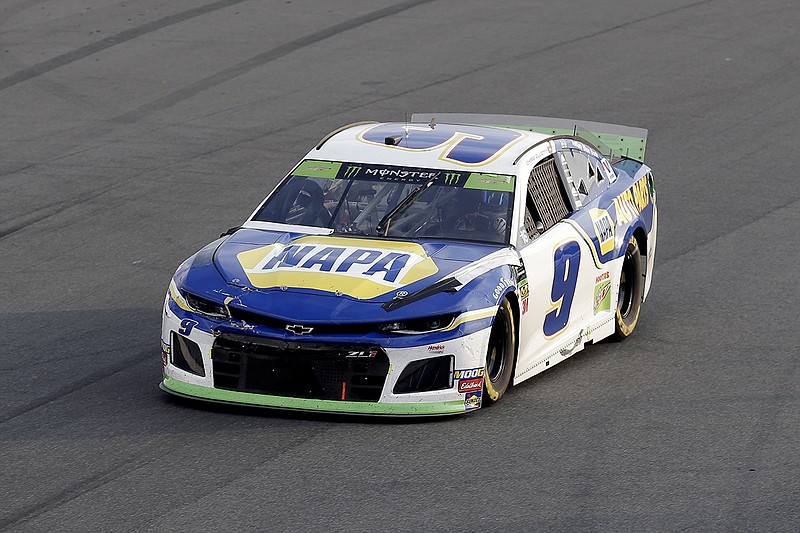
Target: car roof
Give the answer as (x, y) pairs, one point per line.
(414, 144)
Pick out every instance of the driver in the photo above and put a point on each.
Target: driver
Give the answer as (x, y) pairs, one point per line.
(481, 212)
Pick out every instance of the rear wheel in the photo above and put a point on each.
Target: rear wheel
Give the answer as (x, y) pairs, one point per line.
(631, 287)
(500, 355)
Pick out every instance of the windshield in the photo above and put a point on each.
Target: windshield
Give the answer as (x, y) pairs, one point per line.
(390, 201)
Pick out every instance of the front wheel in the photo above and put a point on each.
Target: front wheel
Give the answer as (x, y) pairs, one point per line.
(500, 354)
(631, 287)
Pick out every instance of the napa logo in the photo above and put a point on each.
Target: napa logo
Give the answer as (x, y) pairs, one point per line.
(360, 268)
(603, 229)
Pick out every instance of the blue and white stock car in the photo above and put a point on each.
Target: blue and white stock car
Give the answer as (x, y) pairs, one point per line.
(419, 268)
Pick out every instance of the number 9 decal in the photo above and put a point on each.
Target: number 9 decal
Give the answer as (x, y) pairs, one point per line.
(567, 261)
(187, 325)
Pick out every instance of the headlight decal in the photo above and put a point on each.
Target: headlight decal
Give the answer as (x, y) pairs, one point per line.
(420, 325)
(453, 323)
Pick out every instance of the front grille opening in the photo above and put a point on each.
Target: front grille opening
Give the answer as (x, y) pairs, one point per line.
(323, 371)
(186, 355)
(426, 375)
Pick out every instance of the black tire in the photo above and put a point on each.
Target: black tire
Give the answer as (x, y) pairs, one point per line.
(500, 354)
(631, 290)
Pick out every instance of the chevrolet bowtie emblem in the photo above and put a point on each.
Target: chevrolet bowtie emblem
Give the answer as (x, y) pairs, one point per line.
(298, 329)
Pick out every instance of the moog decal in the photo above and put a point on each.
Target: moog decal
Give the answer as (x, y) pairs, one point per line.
(469, 373)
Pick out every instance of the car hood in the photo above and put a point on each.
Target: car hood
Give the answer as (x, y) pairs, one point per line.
(287, 265)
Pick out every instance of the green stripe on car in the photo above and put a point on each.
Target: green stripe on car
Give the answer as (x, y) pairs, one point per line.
(490, 182)
(311, 168)
(307, 404)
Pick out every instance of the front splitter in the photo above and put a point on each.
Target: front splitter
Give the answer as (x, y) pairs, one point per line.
(188, 390)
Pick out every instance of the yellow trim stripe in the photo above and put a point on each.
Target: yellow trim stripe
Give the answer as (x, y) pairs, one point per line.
(469, 316)
(588, 240)
(177, 298)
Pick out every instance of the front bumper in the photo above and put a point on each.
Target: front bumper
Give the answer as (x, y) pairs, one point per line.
(201, 379)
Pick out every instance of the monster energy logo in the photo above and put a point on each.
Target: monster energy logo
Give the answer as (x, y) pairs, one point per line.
(451, 178)
(351, 172)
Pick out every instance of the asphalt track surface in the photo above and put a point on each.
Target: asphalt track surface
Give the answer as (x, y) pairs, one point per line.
(134, 132)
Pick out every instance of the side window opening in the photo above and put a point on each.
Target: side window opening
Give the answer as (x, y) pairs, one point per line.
(546, 201)
(583, 176)
(593, 173)
(569, 181)
(533, 223)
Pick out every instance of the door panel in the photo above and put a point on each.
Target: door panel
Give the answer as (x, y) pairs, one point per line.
(561, 277)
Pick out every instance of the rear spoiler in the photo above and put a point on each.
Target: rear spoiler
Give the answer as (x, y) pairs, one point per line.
(613, 141)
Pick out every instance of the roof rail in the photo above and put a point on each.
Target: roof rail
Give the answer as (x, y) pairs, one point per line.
(613, 140)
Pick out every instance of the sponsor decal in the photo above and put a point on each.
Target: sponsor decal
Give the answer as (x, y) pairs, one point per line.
(469, 373)
(602, 296)
(398, 174)
(317, 169)
(451, 178)
(360, 268)
(602, 277)
(362, 353)
(490, 182)
(472, 400)
(351, 171)
(501, 287)
(631, 202)
(603, 226)
(609, 171)
(165, 350)
(438, 348)
(522, 287)
(470, 385)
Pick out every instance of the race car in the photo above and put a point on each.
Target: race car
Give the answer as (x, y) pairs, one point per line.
(419, 267)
